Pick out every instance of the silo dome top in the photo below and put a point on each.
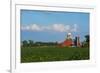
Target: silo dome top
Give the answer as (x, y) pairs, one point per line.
(69, 34)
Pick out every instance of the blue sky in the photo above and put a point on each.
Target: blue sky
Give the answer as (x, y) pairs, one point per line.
(50, 26)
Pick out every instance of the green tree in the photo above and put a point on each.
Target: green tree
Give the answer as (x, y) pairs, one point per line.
(87, 38)
(86, 42)
(25, 43)
(31, 43)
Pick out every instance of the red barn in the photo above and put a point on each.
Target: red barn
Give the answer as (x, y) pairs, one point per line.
(67, 42)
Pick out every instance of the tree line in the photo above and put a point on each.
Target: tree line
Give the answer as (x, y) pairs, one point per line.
(30, 43)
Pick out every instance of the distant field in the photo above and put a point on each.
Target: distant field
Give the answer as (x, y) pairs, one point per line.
(43, 54)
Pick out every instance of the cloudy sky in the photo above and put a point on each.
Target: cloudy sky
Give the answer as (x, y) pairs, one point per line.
(50, 26)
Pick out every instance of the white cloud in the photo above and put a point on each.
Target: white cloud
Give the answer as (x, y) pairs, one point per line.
(53, 27)
(58, 27)
(75, 28)
(35, 27)
(25, 27)
(32, 27)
